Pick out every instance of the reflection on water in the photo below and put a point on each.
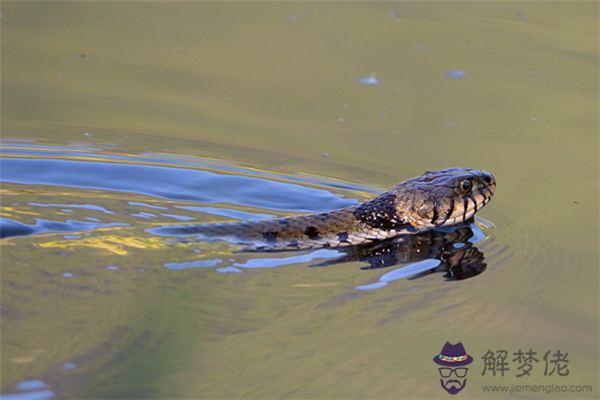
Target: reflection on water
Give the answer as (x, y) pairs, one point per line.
(144, 215)
(10, 227)
(229, 213)
(193, 264)
(170, 183)
(140, 204)
(33, 395)
(69, 206)
(451, 252)
(277, 90)
(30, 390)
(289, 260)
(223, 191)
(31, 385)
(401, 273)
(178, 217)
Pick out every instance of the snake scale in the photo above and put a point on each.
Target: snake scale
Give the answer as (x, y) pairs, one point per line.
(436, 199)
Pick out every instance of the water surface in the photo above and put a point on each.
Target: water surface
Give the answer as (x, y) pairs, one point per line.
(121, 117)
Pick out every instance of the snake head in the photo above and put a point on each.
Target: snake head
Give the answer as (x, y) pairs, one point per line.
(445, 197)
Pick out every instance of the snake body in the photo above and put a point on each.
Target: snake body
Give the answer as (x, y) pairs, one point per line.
(435, 199)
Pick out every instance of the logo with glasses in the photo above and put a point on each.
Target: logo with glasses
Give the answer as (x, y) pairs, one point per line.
(452, 362)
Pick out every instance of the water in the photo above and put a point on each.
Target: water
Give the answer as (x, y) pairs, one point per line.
(118, 119)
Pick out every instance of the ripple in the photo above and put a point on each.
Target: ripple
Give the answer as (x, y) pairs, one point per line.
(289, 260)
(144, 215)
(184, 218)
(221, 191)
(227, 212)
(81, 206)
(478, 235)
(140, 204)
(229, 270)
(401, 273)
(37, 395)
(10, 227)
(31, 385)
(193, 264)
(171, 183)
(30, 390)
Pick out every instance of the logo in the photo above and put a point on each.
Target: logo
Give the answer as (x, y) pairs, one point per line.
(452, 362)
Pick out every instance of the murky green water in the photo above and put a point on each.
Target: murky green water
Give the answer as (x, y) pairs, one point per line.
(259, 110)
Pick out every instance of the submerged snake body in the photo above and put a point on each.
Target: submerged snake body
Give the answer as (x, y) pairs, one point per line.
(435, 199)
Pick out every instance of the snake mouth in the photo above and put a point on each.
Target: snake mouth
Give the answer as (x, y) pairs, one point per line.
(464, 207)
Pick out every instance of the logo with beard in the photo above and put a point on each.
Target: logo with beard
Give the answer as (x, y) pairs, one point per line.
(452, 361)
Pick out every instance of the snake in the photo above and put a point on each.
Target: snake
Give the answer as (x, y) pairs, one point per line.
(436, 199)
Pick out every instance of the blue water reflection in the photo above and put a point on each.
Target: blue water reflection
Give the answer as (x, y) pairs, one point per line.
(193, 264)
(401, 273)
(478, 234)
(289, 260)
(140, 204)
(171, 183)
(10, 227)
(30, 390)
(92, 207)
(36, 395)
(227, 212)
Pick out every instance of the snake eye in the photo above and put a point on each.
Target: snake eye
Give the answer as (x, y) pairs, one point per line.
(465, 185)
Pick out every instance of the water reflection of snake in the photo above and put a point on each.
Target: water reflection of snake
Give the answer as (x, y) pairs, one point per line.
(436, 199)
(458, 257)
